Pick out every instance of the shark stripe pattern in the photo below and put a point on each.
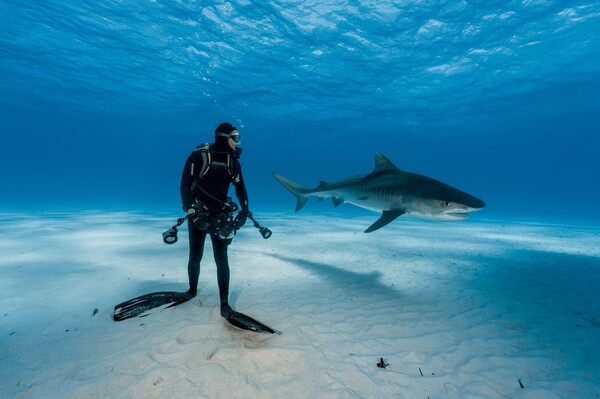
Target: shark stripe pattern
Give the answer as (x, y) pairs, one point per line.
(393, 192)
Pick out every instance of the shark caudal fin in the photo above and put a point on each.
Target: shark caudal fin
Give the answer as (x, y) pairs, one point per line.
(297, 189)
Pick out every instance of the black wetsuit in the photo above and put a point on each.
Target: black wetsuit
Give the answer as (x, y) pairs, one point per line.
(210, 190)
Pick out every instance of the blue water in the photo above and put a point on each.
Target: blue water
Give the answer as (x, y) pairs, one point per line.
(101, 102)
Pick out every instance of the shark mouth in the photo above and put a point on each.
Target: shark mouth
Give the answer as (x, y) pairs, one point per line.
(457, 214)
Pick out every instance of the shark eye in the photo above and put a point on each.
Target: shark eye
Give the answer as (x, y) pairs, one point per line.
(447, 203)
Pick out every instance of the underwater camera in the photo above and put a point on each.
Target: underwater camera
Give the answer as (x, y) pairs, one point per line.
(225, 231)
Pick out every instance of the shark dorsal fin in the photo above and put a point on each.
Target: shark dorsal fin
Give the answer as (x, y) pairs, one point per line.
(383, 164)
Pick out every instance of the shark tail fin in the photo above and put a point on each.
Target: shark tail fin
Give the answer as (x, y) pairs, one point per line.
(297, 189)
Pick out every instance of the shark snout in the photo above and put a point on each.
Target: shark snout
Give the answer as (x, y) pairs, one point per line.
(467, 205)
(475, 204)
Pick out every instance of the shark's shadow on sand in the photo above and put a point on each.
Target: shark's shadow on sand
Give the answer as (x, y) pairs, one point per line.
(354, 282)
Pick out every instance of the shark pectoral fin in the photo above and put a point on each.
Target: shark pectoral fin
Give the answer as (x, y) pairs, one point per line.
(337, 201)
(386, 218)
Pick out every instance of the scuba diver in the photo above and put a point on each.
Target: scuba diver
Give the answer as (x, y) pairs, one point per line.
(205, 182)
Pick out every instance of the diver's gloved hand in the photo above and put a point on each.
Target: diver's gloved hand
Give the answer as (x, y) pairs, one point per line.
(240, 219)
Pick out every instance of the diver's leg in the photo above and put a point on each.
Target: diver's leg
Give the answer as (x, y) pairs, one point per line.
(197, 239)
(222, 261)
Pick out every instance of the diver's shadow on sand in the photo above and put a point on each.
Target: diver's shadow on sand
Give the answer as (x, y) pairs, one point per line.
(353, 282)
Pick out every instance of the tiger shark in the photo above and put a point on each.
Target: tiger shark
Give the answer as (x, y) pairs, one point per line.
(393, 192)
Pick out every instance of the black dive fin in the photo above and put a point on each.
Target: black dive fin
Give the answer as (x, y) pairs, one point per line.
(144, 305)
(246, 322)
(386, 218)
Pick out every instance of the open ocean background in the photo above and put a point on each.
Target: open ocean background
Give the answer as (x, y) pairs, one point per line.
(102, 102)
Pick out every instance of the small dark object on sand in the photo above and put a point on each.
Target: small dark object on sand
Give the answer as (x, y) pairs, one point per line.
(382, 364)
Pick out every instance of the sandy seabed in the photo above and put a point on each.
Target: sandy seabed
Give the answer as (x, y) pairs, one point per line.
(477, 309)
